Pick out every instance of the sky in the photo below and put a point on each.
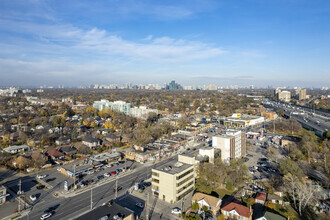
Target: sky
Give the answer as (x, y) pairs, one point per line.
(195, 42)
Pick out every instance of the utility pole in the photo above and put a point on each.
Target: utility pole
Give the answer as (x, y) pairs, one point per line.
(91, 198)
(125, 161)
(116, 189)
(19, 195)
(74, 176)
(147, 207)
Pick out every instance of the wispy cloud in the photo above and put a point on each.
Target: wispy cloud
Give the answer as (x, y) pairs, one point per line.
(69, 38)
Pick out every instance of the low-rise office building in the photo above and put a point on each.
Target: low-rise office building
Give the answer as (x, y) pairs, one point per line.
(232, 144)
(173, 180)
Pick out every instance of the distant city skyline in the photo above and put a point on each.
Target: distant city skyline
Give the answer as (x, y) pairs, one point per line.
(82, 42)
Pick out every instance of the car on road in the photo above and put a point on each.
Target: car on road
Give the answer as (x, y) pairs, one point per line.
(113, 172)
(109, 165)
(33, 198)
(91, 172)
(249, 155)
(46, 215)
(107, 174)
(41, 176)
(140, 205)
(118, 189)
(100, 177)
(40, 187)
(176, 211)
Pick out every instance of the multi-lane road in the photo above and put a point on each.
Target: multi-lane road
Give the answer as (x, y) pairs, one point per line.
(69, 208)
(316, 121)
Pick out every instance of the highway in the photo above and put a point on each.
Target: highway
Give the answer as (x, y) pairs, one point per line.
(312, 121)
(68, 208)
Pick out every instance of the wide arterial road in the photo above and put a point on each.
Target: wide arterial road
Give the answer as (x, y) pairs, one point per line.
(68, 208)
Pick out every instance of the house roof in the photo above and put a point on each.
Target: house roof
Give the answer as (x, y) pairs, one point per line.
(273, 216)
(240, 209)
(111, 136)
(261, 196)
(54, 153)
(68, 149)
(90, 140)
(211, 200)
(16, 147)
(273, 196)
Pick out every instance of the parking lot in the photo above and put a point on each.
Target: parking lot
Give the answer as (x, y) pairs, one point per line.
(260, 161)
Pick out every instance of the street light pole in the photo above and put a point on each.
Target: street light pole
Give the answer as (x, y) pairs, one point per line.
(147, 207)
(19, 195)
(74, 176)
(91, 198)
(116, 189)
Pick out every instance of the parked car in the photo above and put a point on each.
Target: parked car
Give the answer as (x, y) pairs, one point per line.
(107, 174)
(118, 189)
(46, 215)
(176, 211)
(33, 198)
(113, 172)
(40, 187)
(109, 165)
(41, 176)
(101, 177)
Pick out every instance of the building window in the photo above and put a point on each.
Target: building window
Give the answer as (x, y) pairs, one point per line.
(185, 174)
(185, 187)
(155, 180)
(184, 194)
(155, 174)
(184, 181)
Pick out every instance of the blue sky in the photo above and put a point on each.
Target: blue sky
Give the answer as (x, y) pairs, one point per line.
(195, 42)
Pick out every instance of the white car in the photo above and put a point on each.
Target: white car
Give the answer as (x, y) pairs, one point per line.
(41, 176)
(33, 198)
(109, 165)
(107, 174)
(176, 211)
(46, 215)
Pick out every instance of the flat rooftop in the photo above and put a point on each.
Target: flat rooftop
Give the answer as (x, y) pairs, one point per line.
(105, 156)
(79, 166)
(173, 167)
(111, 212)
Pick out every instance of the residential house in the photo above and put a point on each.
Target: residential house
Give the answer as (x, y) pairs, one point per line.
(63, 141)
(112, 138)
(275, 199)
(261, 198)
(81, 129)
(91, 142)
(211, 202)
(55, 154)
(68, 150)
(16, 148)
(269, 216)
(237, 211)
